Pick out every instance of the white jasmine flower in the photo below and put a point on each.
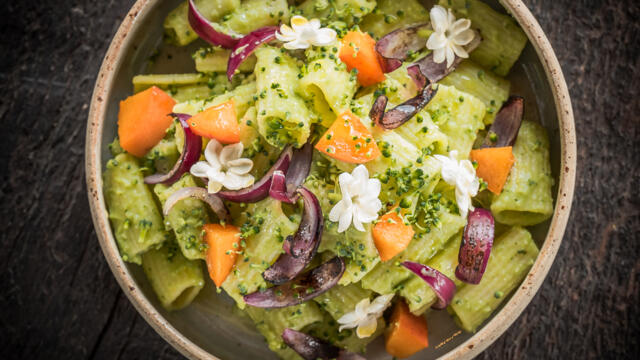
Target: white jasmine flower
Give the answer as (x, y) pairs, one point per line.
(304, 33)
(449, 35)
(224, 167)
(462, 175)
(365, 316)
(359, 202)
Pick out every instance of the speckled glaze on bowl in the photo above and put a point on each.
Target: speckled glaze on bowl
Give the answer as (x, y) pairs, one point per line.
(211, 328)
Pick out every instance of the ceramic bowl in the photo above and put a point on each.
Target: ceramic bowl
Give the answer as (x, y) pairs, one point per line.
(211, 327)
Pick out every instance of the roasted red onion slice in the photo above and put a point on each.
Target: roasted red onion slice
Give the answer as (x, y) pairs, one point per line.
(312, 348)
(278, 189)
(283, 187)
(405, 111)
(444, 287)
(306, 239)
(303, 288)
(475, 248)
(207, 30)
(302, 246)
(199, 193)
(300, 167)
(435, 72)
(415, 74)
(285, 268)
(190, 155)
(507, 123)
(377, 110)
(247, 45)
(396, 45)
(259, 190)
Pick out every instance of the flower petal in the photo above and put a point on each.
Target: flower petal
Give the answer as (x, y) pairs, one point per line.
(240, 166)
(360, 180)
(436, 41)
(349, 320)
(367, 327)
(286, 30)
(451, 56)
(362, 306)
(380, 303)
(286, 37)
(314, 24)
(464, 202)
(464, 38)
(460, 51)
(213, 186)
(230, 153)
(200, 169)
(338, 209)
(298, 22)
(439, 55)
(324, 37)
(345, 179)
(459, 26)
(296, 45)
(345, 220)
(237, 182)
(439, 19)
(366, 213)
(373, 188)
(356, 222)
(212, 152)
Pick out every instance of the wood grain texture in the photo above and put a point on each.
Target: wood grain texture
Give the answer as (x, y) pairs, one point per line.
(59, 299)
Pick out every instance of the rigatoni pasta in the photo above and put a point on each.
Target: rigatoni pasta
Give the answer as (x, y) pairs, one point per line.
(185, 219)
(511, 258)
(526, 197)
(175, 279)
(133, 213)
(283, 116)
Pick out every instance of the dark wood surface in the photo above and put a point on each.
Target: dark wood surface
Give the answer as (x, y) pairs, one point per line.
(58, 298)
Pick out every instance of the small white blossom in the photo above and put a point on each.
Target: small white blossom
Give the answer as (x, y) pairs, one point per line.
(359, 202)
(304, 33)
(365, 316)
(449, 35)
(224, 167)
(462, 175)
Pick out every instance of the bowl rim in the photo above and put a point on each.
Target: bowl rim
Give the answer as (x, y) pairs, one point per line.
(468, 349)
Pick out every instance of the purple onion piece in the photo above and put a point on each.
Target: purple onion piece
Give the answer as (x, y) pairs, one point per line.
(302, 246)
(207, 30)
(506, 124)
(283, 187)
(312, 348)
(435, 72)
(300, 167)
(278, 189)
(416, 75)
(259, 190)
(444, 287)
(405, 111)
(284, 269)
(377, 110)
(303, 288)
(247, 45)
(190, 155)
(395, 46)
(216, 204)
(475, 248)
(306, 239)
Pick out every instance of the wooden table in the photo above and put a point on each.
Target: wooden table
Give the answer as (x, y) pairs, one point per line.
(58, 298)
